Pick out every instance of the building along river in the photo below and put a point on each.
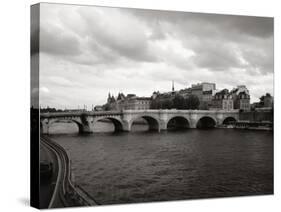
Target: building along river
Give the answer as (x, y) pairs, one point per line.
(143, 166)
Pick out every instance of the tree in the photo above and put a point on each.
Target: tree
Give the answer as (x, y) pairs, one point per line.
(167, 104)
(106, 107)
(161, 104)
(262, 99)
(192, 102)
(155, 104)
(267, 95)
(179, 102)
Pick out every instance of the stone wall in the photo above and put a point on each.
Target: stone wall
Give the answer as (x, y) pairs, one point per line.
(256, 116)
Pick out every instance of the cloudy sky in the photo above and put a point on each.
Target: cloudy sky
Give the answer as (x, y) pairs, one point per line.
(86, 52)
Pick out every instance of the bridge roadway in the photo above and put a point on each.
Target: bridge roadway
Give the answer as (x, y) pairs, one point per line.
(156, 119)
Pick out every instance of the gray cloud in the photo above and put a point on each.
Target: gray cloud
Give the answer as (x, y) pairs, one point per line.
(58, 42)
(218, 41)
(88, 51)
(120, 38)
(216, 56)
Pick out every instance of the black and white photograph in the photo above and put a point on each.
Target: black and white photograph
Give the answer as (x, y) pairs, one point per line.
(141, 105)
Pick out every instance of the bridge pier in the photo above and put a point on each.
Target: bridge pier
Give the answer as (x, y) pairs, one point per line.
(85, 129)
(193, 123)
(44, 128)
(162, 125)
(126, 126)
(220, 119)
(154, 128)
(153, 125)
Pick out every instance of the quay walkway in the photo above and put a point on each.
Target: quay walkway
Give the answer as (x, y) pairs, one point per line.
(66, 193)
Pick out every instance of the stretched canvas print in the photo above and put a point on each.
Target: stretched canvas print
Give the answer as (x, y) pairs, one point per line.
(137, 105)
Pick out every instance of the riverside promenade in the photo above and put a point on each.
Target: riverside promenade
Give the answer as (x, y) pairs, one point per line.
(47, 185)
(65, 193)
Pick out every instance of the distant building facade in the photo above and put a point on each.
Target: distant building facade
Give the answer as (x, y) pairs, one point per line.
(185, 92)
(204, 91)
(237, 98)
(222, 100)
(243, 101)
(209, 99)
(98, 108)
(163, 99)
(129, 102)
(137, 103)
(241, 98)
(268, 101)
(265, 103)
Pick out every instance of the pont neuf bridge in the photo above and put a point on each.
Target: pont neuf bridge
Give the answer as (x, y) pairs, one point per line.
(156, 119)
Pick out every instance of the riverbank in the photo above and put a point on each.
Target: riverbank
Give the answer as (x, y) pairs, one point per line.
(65, 193)
(246, 128)
(268, 126)
(47, 185)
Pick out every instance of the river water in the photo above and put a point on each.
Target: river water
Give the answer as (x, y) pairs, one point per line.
(143, 166)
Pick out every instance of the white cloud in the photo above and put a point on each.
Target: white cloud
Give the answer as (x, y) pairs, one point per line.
(44, 90)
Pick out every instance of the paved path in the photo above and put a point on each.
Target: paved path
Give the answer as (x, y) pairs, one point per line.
(47, 188)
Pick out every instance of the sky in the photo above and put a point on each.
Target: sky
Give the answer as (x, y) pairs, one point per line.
(88, 51)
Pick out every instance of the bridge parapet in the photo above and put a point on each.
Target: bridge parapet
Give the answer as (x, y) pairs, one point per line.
(79, 113)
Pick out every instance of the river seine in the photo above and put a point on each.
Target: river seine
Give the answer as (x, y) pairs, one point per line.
(143, 166)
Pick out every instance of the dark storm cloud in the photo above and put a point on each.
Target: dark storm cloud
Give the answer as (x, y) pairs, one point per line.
(237, 26)
(218, 41)
(214, 23)
(253, 26)
(113, 49)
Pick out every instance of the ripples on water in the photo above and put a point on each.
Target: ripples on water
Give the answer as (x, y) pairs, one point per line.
(150, 166)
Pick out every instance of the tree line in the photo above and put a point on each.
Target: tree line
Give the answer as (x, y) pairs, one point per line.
(178, 102)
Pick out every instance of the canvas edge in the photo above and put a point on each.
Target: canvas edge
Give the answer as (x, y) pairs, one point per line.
(34, 107)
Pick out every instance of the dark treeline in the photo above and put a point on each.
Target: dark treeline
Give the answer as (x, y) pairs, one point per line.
(50, 110)
(178, 102)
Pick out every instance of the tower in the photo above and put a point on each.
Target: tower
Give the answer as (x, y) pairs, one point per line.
(109, 98)
(173, 88)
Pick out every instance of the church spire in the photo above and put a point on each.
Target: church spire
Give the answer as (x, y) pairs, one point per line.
(173, 88)
(109, 98)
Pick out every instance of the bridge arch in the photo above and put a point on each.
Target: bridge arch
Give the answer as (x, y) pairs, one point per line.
(206, 122)
(45, 125)
(118, 125)
(178, 122)
(229, 120)
(153, 123)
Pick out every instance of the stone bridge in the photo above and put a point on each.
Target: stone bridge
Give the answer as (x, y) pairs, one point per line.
(156, 119)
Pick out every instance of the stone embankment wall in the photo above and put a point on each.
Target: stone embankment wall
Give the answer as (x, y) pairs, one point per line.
(256, 116)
